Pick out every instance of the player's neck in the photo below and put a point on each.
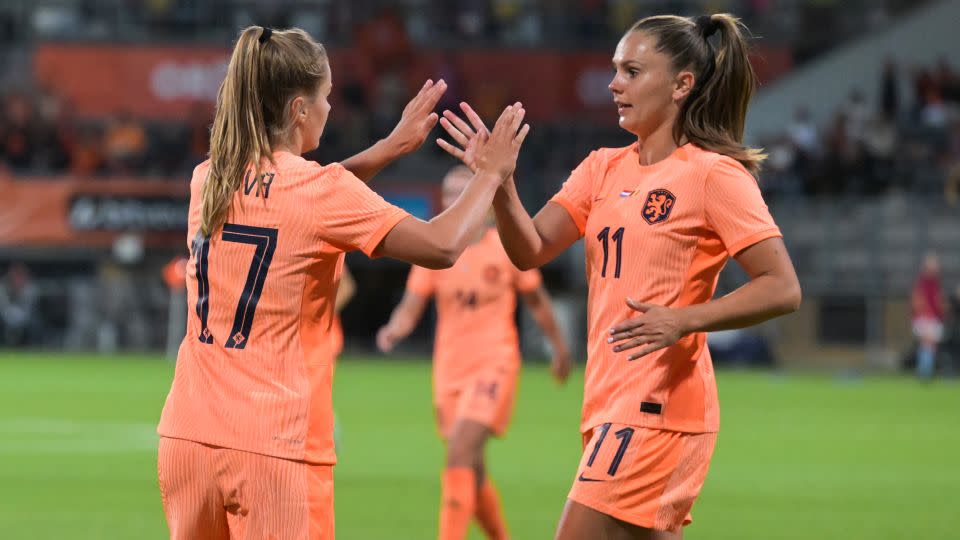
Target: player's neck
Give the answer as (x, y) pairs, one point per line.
(294, 145)
(658, 145)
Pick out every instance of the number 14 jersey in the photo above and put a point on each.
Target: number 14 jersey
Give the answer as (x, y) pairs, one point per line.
(476, 307)
(659, 234)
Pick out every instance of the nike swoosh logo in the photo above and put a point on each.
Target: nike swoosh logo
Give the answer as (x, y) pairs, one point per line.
(598, 199)
(585, 479)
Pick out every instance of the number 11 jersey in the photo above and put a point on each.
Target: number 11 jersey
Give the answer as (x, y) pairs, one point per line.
(659, 234)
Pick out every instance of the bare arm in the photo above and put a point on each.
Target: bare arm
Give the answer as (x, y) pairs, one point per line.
(538, 302)
(371, 161)
(531, 242)
(439, 242)
(773, 291)
(415, 124)
(346, 290)
(402, 321)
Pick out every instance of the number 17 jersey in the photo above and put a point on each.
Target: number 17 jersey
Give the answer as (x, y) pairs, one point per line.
(254, 371)
(659, 234)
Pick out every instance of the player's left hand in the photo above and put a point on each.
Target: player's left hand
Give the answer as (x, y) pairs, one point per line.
(656, 327)
(465, 135)
(417, 118)
(560, 365)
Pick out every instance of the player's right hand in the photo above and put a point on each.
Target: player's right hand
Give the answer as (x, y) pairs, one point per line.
(497, 152)
(386, 339)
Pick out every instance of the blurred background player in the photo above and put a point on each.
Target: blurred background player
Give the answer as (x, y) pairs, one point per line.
(660, 218)
(929, 312)
(476, 361)
(175, 278)
(246, 447)
(345, 292)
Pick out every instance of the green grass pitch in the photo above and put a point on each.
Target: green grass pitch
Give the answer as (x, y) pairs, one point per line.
(798, 456)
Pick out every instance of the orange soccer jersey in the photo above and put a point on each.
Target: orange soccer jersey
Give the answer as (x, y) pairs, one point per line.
(476, 305)
(254, 370)
(659, 234)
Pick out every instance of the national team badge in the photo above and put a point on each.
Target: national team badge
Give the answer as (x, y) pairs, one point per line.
(491, 274)
(658, 206)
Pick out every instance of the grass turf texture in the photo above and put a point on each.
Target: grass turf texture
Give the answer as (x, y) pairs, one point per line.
(798, 456)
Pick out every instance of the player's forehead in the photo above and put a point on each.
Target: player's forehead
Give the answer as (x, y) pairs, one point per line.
(457, 179)
(635, 47)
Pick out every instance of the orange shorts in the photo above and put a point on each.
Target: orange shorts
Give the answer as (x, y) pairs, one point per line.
(647, 477)
(486, 398)
(218, 493)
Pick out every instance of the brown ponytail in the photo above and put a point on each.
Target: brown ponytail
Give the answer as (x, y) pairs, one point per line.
(713, 114)
(268, 69)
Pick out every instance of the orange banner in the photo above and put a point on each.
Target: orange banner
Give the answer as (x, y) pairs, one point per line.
(166, 82)
(82, 212)
(91, 213)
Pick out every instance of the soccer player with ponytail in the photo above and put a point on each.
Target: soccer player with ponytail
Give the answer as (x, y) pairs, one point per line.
(660, 218)
(246, 434)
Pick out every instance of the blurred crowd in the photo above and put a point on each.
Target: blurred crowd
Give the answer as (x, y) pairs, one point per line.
(910, 144)
(40, 135)
(813, 26)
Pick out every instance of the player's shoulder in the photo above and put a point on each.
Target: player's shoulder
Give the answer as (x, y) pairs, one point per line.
(200, 173)
(608, 157)
(299, 167)
(713, 162)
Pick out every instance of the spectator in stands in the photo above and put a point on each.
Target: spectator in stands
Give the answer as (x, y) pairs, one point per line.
(880, 145)
(947, 81)
(16, 136)
(87, 153)
(840, 160)
(198, 133)
(923, 85)
(802, 134)
(50, 129)
(890, 91)
(929, 310)
(19, 320)
(125, 144)
(858, 115)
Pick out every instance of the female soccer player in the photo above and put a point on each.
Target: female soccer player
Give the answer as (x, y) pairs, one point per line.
(246, 448)
(660, 218)
(476, 361)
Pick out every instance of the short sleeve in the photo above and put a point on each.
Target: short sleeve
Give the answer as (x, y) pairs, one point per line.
(576, 195)
(734, 208)
(528, 280)
(420, 281)
(351, 215)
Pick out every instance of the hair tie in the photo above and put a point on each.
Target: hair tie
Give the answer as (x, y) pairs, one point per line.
(706, 25)
(265, 35)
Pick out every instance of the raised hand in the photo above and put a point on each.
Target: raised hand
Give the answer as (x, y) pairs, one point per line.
(465, 135)
(417, 118)
(498, 151)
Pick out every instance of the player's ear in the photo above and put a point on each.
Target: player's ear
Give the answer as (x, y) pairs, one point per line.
(683, 85)
(298, 110)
